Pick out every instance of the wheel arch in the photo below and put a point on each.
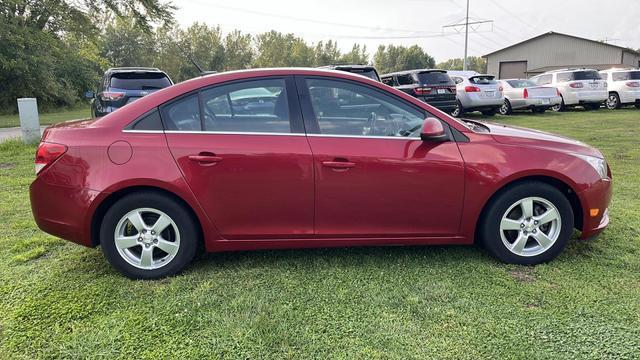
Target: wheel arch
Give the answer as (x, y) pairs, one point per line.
(564, 187)
(113, 197)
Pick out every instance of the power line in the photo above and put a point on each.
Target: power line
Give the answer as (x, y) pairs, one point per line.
(466, 25)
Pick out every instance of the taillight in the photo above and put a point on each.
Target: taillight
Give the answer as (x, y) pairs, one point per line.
(526, 93)
(471, 89)
(422, 91)
(633, 84)
(558, 92)
(47, 153)
(110, 95)
(500, 89)
(576, 85)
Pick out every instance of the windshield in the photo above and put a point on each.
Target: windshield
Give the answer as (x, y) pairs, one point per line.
(586, 75)
(626, 75)
(482, 80)
(140, 81)
(521, 83)
(434, 77)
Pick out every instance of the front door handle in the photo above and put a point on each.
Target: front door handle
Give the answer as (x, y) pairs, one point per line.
(339, 164)
(205, 158)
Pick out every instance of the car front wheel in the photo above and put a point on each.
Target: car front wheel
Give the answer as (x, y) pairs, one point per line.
(613, 101)
(529, 223)
(148, 235)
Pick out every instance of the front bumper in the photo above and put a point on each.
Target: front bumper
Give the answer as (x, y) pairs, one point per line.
(598, 196)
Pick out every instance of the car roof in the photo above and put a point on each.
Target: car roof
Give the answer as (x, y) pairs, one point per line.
(567, 70)
(620, 69)
(132, 69)
(346, 66)
(413, 71)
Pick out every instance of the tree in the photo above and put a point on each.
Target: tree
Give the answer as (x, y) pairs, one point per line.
(278, 50)
(125, 44)
(357, 55)
(326, 53)
(474, 63)
(238, 51)
(392, 58)
(204, 45)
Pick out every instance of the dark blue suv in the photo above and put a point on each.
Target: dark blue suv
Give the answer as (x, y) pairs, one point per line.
(124, 85)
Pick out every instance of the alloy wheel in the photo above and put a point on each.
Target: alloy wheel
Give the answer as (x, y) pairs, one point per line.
(530, 226)
(147, 238)
(612, 102)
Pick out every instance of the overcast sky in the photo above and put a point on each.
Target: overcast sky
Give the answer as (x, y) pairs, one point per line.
(409, 22)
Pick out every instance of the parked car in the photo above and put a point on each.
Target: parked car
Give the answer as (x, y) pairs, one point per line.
(477, 92)
(340, 160)
(524, 94)
(623, 86)
(124, 85)
(364, 70)
(583, 87)
(432, 86)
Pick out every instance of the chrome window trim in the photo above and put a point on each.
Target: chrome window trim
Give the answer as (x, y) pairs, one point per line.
(268, 133)
(231, 133)
(143, 131)
(365, 137)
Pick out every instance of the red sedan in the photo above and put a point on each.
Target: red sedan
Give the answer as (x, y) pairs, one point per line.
(300, 158)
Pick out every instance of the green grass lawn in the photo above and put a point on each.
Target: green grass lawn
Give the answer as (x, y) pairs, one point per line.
(59, 300)
(47, 118)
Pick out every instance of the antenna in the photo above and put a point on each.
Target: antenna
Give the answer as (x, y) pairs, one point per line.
(466, 23)
(188, 55)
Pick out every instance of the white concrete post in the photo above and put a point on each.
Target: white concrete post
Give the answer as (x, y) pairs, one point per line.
(29, 120)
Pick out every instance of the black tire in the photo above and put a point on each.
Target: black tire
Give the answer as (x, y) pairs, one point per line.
(506, 109)
(491, 112)
(613, 101)
(560, 107)
(181, 216)
(489, 224)
(458, 110)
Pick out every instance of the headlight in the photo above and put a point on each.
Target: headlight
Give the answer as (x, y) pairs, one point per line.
(599, 165)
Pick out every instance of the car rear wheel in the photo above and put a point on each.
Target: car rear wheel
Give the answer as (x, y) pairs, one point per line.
(505, 109)
(613, 101)
(529, 223)
(559, 107)
(458, 110)
(148, 235)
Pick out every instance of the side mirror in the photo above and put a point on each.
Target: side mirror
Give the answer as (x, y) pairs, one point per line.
(432, 130)
(89, 94)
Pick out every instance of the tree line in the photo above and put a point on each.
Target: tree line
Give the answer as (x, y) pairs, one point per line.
(56, 50)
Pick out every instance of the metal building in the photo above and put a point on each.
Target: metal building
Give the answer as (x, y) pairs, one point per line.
(553, 50)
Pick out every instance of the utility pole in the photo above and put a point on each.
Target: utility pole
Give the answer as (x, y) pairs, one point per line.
(466, 24)
(466, 38)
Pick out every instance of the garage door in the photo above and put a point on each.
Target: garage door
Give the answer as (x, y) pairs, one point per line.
(513, 70)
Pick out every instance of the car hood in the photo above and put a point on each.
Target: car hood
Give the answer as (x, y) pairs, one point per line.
(513, 135)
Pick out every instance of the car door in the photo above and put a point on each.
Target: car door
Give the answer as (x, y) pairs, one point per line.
(374, 177)
(242, 149)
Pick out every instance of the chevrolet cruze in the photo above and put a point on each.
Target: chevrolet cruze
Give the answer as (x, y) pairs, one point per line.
(328, 159)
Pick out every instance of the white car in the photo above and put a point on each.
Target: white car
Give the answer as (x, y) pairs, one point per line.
(577, 87)
(476, 92)
(523, 94)
(624, 87)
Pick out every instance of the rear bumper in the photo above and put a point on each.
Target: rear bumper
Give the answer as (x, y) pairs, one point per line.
(63, 211)
(598, 197)
(444, 105)
(585, 97)
(534, 102)
(477, 103)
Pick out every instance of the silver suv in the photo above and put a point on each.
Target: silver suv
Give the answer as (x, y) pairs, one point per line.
(476, 92)
(577, 87)
(624, 87)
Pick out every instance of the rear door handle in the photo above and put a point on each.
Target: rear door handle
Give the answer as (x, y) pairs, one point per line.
(205, 158)
(339, 164)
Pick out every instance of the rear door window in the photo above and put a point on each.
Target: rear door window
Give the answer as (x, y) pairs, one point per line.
(388, 80)
(405, 79)
(247, 107)
(139, 81)
(564, 77)
(544, 79)
(183, 114)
